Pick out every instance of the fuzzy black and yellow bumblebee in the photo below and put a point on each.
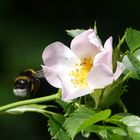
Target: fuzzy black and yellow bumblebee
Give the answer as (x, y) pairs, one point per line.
(27, 83)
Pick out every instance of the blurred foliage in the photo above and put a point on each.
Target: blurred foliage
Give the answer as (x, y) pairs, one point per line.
(21, 44)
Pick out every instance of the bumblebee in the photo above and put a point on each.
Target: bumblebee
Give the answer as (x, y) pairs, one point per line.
(27, 82)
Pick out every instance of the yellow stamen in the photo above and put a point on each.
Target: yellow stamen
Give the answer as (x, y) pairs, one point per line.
(80, 73)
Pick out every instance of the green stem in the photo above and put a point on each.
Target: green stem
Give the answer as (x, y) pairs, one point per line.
(127, 76)
(121, 41)
(47, 113)
(30, 101)
(123, 106)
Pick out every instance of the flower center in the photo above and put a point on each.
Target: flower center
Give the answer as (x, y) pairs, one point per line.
(80, 73)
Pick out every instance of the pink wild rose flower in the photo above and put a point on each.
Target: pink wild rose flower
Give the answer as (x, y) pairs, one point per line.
(83, 67)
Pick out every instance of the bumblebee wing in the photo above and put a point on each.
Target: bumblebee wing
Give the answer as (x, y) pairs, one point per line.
(40, 74)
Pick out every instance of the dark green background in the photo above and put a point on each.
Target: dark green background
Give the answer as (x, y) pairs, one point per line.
(28, 26)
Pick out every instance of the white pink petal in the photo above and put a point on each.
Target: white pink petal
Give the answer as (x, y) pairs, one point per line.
(81, 45)
(81, 69)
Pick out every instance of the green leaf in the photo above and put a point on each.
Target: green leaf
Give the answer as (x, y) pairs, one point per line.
(130, 123)
(102, 115)
(137, 54)
(97, 96)
(116, 53)
(75, 32)
(108, 132)
(116, 57)
(82, 119)
(132, 65)
(115, 119)
(132, 39)
(130, 68)
(28, 108)
(135, 62)
(68, 107)
(73, 123)
(110, 95)
(56, 129)
(63, 104)
(133, 126)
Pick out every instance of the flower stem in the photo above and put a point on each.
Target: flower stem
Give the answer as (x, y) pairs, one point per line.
(30, 101)
(123, 106)
(121, 41)
(127, 76)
